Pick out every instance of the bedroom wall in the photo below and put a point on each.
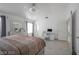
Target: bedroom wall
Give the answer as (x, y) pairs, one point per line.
(56, 20)
(12, 18)
(71, 7)
(59, 26)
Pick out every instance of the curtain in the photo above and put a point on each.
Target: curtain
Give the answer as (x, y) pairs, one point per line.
(30, 28)
(3, 26)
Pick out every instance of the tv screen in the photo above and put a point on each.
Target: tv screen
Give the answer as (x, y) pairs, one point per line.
(49, 30)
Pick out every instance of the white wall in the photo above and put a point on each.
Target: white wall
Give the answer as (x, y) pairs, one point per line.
(71, 7)
(56, 20)
(9, 21)
(57, 25)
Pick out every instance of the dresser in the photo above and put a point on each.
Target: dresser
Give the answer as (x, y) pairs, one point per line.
(49, 35)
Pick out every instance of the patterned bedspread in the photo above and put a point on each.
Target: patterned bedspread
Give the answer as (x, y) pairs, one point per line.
(21, 44)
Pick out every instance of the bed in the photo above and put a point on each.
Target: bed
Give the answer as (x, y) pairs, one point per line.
(21, 45)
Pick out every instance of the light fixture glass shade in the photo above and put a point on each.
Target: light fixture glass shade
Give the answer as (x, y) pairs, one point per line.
(33, 9)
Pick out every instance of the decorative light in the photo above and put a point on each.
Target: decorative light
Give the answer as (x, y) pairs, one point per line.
(31, 11)
(33, 8)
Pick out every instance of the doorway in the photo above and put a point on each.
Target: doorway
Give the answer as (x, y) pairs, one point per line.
(71, 31)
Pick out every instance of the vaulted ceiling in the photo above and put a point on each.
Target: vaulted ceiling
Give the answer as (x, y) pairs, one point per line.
(55, 10)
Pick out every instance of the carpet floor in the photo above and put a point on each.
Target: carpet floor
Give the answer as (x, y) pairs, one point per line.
(57, 47)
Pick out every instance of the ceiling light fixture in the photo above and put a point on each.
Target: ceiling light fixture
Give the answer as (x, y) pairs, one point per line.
(29, 12)
(33, 8)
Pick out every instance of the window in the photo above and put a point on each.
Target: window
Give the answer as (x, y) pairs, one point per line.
(30, 28)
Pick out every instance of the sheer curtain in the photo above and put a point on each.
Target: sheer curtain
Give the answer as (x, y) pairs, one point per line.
(30, 29)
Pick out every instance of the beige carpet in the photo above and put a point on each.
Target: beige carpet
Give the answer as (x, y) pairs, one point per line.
(57, 47)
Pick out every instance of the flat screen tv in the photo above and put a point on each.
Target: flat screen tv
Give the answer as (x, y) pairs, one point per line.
(49, 30)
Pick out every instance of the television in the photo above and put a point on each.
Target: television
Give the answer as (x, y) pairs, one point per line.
(49, 30)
